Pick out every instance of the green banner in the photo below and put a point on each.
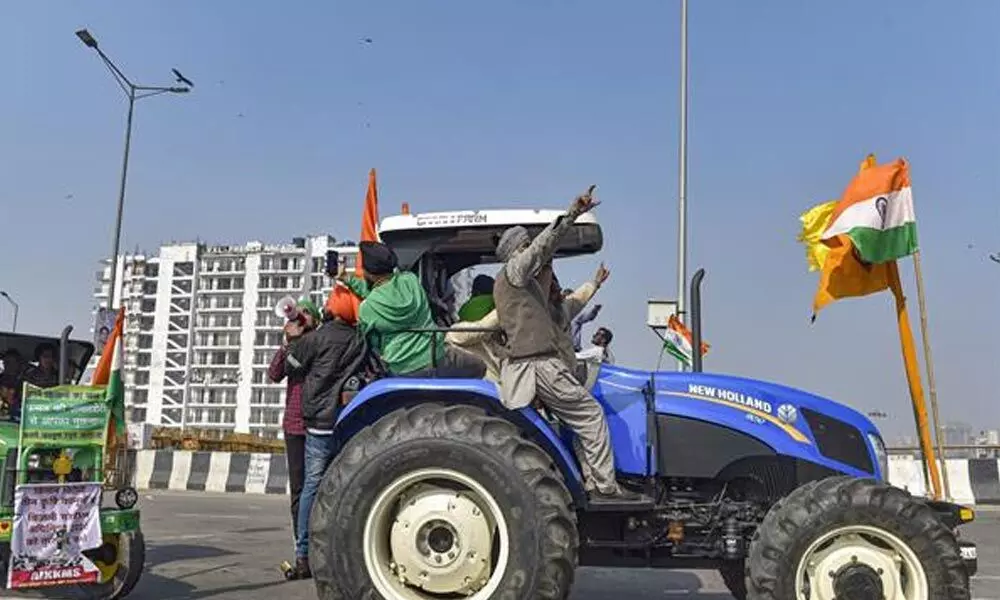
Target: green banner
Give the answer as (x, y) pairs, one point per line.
(64, 415)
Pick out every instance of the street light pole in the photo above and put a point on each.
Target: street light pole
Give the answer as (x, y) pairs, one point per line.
(14, 304)
(133, 92)
(682, 196)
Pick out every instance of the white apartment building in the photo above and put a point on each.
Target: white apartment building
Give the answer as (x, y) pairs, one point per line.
(201, 329)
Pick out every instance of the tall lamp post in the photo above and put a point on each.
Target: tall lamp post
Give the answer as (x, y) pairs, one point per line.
(133, 92)
(683, 168)
(14, 304)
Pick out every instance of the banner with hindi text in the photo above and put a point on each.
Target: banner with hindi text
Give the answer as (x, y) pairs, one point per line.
(53, 525)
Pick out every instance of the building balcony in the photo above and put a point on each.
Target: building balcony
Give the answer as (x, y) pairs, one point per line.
(207, 328)
(210, 347)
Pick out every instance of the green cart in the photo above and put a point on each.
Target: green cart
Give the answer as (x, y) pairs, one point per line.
(62, 457)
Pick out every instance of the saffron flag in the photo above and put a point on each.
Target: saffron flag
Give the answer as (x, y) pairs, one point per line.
(678, 342)
(843, 271)
(876, 213)
(369, 219)
(342, 302)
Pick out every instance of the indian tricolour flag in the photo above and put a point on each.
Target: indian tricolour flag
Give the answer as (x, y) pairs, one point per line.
(677, 341)
(876, 213)
(109, 372)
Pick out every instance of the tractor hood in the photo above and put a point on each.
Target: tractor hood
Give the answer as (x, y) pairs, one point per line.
(790, 421)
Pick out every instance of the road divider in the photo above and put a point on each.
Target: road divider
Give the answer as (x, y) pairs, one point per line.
(972, 481)
(226, 472)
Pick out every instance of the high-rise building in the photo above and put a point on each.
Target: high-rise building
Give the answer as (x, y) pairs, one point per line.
(201, 328)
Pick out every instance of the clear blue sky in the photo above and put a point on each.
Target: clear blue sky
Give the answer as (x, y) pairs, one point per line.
(498, 104)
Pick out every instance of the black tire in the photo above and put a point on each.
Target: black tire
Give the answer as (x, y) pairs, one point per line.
(517, 473)
(821, 506)
(733, 574)
(126, 578)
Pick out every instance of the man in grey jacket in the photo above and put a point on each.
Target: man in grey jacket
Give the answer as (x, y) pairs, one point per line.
(541, 359)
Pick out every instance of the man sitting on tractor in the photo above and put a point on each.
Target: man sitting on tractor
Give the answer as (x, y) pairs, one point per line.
(540, 358)
(395, 317)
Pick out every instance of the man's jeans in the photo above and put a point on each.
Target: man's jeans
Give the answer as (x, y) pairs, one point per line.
(320, 450)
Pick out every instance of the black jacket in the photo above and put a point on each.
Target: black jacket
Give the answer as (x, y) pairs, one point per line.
(327, 357)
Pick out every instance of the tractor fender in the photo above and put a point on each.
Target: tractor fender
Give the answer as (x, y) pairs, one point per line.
(386, 395)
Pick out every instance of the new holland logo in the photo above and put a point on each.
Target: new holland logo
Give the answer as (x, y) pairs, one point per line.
(788, 414)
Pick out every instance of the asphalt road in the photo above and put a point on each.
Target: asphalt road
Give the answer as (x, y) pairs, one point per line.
(228, 547)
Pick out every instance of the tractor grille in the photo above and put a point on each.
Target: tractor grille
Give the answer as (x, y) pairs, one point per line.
(839, 441)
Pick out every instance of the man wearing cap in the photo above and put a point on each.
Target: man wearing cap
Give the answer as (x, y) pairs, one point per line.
(293, 426)
(541, 360)
(395, 315)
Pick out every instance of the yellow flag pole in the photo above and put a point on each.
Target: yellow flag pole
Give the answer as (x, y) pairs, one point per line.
(912, 365)
(929, 363)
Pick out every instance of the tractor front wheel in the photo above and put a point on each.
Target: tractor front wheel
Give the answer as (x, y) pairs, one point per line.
(120, 574)
(844, 537)
(437, 502)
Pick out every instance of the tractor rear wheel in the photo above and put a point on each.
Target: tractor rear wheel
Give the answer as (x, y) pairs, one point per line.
(439, 501)
(844, 537)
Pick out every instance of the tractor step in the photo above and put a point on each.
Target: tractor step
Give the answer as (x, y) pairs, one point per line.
(641, 503)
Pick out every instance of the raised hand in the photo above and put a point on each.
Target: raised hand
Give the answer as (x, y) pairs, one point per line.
(601, 275)
(585, 202)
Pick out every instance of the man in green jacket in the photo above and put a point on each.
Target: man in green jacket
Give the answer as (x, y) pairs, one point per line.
(393, 310)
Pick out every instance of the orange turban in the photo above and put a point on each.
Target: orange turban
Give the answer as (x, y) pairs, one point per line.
(343, 303)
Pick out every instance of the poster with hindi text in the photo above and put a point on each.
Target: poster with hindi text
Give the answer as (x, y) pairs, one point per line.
(53, 525)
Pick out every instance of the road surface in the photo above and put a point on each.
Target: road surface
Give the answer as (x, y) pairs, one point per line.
(227, 547)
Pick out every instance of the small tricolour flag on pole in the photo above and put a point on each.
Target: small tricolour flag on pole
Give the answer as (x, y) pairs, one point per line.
(677, 341)
(876, 213)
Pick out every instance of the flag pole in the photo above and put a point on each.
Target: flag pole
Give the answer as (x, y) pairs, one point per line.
(929, 363)
(912, 365)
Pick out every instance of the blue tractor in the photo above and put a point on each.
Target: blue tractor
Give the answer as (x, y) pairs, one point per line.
(439, 492)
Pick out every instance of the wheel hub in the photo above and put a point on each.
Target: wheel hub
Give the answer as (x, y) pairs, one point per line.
(441, 541)
(851, 566)
(858, 581)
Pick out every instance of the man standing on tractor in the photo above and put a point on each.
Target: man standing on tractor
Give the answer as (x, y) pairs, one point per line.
(541, 360)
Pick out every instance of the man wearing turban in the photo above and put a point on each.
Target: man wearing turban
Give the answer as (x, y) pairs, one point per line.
(541, 360)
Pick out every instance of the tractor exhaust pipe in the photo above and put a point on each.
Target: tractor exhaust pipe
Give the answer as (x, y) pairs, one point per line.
(64, 354)
(696, 363)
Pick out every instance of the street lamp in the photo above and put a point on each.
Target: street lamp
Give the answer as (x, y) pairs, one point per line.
(14, 304)
(133, 92)
(682, 227)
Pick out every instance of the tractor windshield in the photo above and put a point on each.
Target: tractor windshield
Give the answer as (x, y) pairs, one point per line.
(22, 357)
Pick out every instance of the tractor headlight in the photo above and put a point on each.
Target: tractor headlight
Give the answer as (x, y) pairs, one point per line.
(883, 457)
(34, 461)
